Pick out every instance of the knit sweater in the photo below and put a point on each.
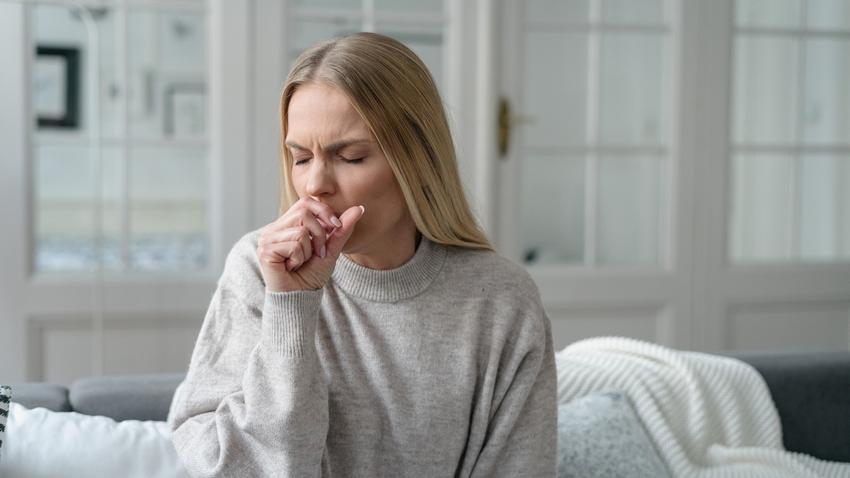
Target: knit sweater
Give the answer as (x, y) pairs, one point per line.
(441, 367)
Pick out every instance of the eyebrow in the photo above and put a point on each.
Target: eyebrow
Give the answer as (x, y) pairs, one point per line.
(336, 145)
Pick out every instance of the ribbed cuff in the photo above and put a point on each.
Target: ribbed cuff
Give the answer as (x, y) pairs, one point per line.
(289, 321)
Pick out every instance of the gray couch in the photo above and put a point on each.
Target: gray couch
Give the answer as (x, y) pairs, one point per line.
(811, 390)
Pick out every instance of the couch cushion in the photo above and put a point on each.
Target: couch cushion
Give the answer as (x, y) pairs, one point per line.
(811, 390)
(47, 395)
(601, 435)
(126, 397)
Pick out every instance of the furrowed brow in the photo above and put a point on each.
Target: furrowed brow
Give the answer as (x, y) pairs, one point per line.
(335, 146)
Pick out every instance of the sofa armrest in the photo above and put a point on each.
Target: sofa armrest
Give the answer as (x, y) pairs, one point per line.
(811, 390)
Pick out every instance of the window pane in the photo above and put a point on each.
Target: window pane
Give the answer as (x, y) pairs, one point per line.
(762, 207)
(573, 11)
(145, 105)
(634, 81)
(765, 87)
(555, 99)
(829, 14)
(633, 11)
(306, 33)
(768, 13)
(111, 89)
(552, 218)
(181, 39)
(820, 191)
(409, 6)
(346, 4)
(630, 209)
(56, 26)
(65, 200)
(164, 97)
(167, 68)
(142, 30)
(827, 112)
(168, 212)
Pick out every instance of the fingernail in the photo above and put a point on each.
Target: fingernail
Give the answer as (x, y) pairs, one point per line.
(336, 222)
(322, 252)
(362, 210)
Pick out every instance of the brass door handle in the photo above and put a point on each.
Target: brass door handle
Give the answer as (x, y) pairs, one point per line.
(506, 123)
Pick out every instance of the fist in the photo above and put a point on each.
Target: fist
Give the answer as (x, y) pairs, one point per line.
(299, 250)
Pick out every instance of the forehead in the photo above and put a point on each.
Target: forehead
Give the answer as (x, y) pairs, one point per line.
(321, 112)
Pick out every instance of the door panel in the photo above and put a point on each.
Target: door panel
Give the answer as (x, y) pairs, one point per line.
(588, 198)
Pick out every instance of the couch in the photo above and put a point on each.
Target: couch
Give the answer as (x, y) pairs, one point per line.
(811, 390)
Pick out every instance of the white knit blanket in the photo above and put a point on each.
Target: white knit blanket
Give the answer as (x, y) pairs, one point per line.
(709, 416)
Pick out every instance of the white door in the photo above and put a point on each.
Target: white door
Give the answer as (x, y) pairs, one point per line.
(677, 171)
(773, 228)
(116, 218)
(593, 194)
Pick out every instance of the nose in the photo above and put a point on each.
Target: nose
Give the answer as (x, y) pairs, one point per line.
(320, 178)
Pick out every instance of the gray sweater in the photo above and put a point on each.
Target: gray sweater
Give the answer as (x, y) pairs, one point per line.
(441, 367)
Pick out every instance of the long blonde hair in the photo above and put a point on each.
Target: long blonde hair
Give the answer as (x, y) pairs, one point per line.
(396, 96)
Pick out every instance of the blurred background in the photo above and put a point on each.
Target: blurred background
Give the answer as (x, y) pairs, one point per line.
(676, 171)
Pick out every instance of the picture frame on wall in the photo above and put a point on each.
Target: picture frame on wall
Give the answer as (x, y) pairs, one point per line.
(56, 86)
(185, 111)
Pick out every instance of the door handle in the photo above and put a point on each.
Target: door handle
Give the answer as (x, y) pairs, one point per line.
(506, 123)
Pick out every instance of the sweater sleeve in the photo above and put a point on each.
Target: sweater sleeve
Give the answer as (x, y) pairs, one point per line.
(522, 433)
(254, 401)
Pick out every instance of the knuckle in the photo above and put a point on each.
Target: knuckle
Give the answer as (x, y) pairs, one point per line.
(304, 235)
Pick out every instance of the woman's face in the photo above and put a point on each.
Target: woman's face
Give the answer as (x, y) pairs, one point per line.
(337, 161)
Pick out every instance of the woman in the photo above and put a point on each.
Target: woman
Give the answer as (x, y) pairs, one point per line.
(371, 330)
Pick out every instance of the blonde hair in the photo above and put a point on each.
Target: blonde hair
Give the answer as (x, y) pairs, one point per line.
(396, 96)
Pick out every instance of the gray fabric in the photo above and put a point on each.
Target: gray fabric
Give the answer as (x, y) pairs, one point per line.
(811, 390)
(37, 394)
(441, 367)
(137, 397)
(807, 397)
(600, 435)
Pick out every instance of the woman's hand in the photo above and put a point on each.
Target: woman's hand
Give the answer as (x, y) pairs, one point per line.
(289, 249)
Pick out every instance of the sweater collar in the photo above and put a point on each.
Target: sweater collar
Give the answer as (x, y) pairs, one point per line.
(391, 285)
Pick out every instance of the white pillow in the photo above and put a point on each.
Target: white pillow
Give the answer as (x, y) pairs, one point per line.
(40, 442)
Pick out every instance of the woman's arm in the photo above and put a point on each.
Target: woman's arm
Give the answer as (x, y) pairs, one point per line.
(522, 433)
(254, 402)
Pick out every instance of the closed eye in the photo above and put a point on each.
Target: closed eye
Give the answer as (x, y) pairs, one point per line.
(352, 161)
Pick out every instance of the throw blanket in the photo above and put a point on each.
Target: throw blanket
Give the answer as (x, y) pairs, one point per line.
(709, 416)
